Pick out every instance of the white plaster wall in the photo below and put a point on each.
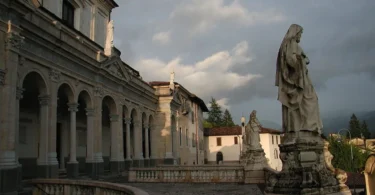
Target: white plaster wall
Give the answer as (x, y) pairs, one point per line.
(100, 27)
(54, 6)
(87, 14)
(269, 149)
(231, 151)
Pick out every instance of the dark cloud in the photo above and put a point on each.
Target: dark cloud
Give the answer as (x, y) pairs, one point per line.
(338, 38)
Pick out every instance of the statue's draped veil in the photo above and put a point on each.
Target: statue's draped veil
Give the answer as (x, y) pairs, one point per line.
(293, 30)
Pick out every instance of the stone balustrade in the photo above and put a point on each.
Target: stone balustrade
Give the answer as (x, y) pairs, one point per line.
(81, 187)
(192, 174)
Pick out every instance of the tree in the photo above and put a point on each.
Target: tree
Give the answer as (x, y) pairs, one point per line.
(227, 119)
(207, 124)
(366, 133)
(342, 155)
(354, 127)
(215, 114)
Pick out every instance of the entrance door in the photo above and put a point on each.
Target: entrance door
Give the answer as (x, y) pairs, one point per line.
(219, 157)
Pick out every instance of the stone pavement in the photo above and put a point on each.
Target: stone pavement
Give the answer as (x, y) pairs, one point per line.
(197, 189)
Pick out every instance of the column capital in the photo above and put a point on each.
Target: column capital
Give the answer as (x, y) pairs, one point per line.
(127, 121)
(73, 107)
(44, 100)
(114, 117)
(146, 125)
(2, 76)
(19, 93)
(90, 111)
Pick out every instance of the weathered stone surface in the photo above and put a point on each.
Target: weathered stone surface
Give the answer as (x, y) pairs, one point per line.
(198, 189)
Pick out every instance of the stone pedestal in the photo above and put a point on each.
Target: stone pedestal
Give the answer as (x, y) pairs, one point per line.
(72, 170)
(304, 170)
(10, 179)
(254, 161)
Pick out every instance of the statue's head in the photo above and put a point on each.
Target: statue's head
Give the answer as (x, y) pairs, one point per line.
(294, 32)
(253, 114)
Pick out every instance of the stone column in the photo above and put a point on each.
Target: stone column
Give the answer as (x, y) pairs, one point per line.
(146, 127)
(54, 78)
(138, 155)
(117, 155)
(90, 161)
(17, 117)
(42, 161)
(168, 159)
(128, 160)
(98, 155)
(72, 168)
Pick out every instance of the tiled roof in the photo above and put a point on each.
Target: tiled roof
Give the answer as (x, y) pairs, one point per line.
(270, 131)
(235, 130)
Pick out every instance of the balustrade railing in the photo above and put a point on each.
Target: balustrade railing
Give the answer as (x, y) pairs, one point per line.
(192, 174)
(81, 187)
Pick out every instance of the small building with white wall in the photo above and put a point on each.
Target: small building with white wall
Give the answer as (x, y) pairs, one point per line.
(224, 145)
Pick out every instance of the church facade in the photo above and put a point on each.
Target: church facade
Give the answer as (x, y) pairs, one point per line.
(68, 103)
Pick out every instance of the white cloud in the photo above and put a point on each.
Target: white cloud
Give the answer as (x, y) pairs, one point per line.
(208, 77)
(161, 37)
(223, 102)
(200, 16)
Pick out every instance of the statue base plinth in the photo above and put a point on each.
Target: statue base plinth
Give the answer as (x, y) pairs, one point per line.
(254, 162)
(304, 170)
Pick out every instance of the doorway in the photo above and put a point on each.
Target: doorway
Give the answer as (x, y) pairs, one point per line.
(219, 157)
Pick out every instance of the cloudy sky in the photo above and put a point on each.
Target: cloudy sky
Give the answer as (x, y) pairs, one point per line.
(227, 49)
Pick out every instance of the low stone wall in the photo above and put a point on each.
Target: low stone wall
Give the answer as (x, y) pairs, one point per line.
(188, 174)
(81, 187)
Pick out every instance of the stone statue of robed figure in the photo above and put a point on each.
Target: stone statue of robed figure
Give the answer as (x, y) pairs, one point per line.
(300, 108)
(304, 170)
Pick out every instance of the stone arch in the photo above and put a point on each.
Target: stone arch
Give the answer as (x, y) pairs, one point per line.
(67, 89)
(40, 80)
(110, 103)
(32, 106)
(86, 97)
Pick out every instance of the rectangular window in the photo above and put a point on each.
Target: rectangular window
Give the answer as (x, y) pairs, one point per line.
(236, 140)
(68, 13)
(218, 141)
(187, 137)
(192, 117)
(272, 140)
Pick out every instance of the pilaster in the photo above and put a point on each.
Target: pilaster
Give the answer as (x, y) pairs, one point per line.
(146, 129)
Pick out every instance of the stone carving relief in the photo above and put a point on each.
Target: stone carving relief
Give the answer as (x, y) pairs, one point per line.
(14, 40)
(55, 75)
(114, 66)
(98, 92)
